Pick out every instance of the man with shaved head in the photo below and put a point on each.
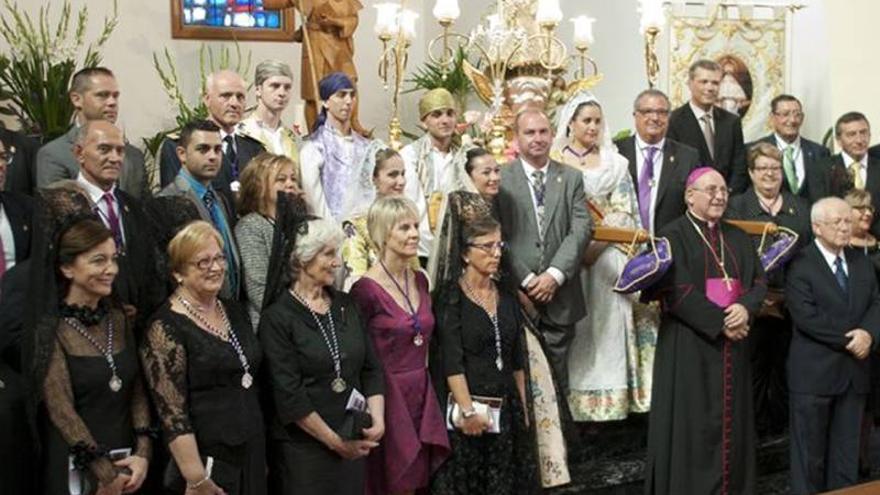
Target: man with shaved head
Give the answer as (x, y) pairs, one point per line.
(225, 97)
(831, 292)
(99, 150)
(94, 94)
(701, 433)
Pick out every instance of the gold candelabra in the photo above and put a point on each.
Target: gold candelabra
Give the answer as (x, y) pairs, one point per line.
(652, 65)
(396, 29)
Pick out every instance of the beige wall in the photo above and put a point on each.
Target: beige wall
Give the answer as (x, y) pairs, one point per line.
(839, 26)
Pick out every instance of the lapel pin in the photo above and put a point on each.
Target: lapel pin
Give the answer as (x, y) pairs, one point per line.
(559, 180)
(24, 227)
(671, 159)
(125, 207)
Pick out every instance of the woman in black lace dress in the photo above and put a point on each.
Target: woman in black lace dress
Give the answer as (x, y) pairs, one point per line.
(96, 410)
(200, 357)
(483, 354)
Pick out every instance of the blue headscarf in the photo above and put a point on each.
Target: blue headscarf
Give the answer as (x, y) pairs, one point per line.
(329, 85)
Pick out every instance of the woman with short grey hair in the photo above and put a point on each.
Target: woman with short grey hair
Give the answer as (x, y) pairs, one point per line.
(326, 384)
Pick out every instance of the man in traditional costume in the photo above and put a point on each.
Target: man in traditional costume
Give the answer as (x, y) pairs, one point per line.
(434, 162)
(334, 156)
(701, 436)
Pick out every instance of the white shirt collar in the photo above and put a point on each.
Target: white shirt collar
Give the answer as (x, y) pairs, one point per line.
(641, 144)
(848, 160)
(95, 193)
(528, 168)
(699, 112)
(782, 143)
(829, 256)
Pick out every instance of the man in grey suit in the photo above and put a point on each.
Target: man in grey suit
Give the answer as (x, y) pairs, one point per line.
(200, 151)
(95, 96)
(544, 220)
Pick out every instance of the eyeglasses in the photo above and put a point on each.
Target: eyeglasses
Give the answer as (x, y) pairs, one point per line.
(713, 191)
(765, 168)
(489, 247)
(205, 264)
(784, 115)
(657, 112)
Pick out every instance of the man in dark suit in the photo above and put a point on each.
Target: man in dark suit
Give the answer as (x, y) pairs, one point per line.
(715, 133)
(800, 157)
(831, 293)
(225, 98)
(544, 220)
(94, 94)
(100, 151)
(16, 212)
(658, 165)
(200, 150)
(853, 167)
(20, 171)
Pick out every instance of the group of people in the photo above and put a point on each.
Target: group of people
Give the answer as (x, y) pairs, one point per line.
(329, 315)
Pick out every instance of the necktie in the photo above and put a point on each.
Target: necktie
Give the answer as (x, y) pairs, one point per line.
(113, 219)
(709, 133)
(231, 155)
(646, 182)
(855, 171)
(539, 189)
(210, 200)
(839, 274)
(790, 171)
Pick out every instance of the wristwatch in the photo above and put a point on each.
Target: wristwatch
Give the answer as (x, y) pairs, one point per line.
(470, 413)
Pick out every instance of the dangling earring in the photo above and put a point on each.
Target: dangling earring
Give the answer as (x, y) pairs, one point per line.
(467, 261)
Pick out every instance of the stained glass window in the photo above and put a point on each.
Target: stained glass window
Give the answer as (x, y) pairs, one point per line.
(230, 19)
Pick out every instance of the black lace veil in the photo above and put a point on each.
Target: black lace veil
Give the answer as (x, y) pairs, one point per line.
(291, 213)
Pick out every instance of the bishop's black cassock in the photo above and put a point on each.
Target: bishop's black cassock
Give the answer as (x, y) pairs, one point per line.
(701, 437)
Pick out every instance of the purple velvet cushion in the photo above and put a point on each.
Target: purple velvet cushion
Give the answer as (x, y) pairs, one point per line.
(646, 268)
(778, 253)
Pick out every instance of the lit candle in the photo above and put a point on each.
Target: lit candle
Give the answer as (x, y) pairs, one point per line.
(407, 21)
(583, 31)
(386, 19)
(446, 10)
(494, 22)
(653, 16)
(548, 12)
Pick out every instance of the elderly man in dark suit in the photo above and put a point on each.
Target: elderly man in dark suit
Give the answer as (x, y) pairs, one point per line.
(801, 158)
(659, 166)
(715, 133)
(94, 94)
(832, 294)
(20, 171)
(544, 220)
(225, 95)
(200, 150)
(16, 212)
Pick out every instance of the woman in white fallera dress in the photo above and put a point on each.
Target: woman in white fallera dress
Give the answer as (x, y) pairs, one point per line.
(612, 355)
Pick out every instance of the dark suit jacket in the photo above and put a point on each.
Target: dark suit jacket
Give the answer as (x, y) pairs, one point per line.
(19, 209)
(837, 182)
(678, 161)
(21, 175)
(137, 281)
(169, 164)
(730, 152)
(818, 362)
(567, 231)
(56, 161)
(814, 153)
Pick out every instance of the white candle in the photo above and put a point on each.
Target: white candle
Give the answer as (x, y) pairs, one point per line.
(653, 16)
(548, 12)
(583, 31)
(407, 21)
(386, 18)
(446, 10)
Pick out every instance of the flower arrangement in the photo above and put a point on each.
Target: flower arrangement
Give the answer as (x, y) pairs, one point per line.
(35, 74)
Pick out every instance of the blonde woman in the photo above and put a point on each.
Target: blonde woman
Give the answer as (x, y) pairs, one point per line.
(261, 181)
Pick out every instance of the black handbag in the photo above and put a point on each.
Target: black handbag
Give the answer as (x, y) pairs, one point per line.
(353, 425)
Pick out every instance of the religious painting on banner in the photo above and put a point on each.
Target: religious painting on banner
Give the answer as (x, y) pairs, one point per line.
(244, 20)
(750, 45)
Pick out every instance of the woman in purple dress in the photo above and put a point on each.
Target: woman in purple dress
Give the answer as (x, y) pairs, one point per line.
(396, 308)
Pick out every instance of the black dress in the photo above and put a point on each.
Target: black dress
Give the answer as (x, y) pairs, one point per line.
(195, 381)
(771, 329)
(82, 411)
(497, 464)
(299, 372)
